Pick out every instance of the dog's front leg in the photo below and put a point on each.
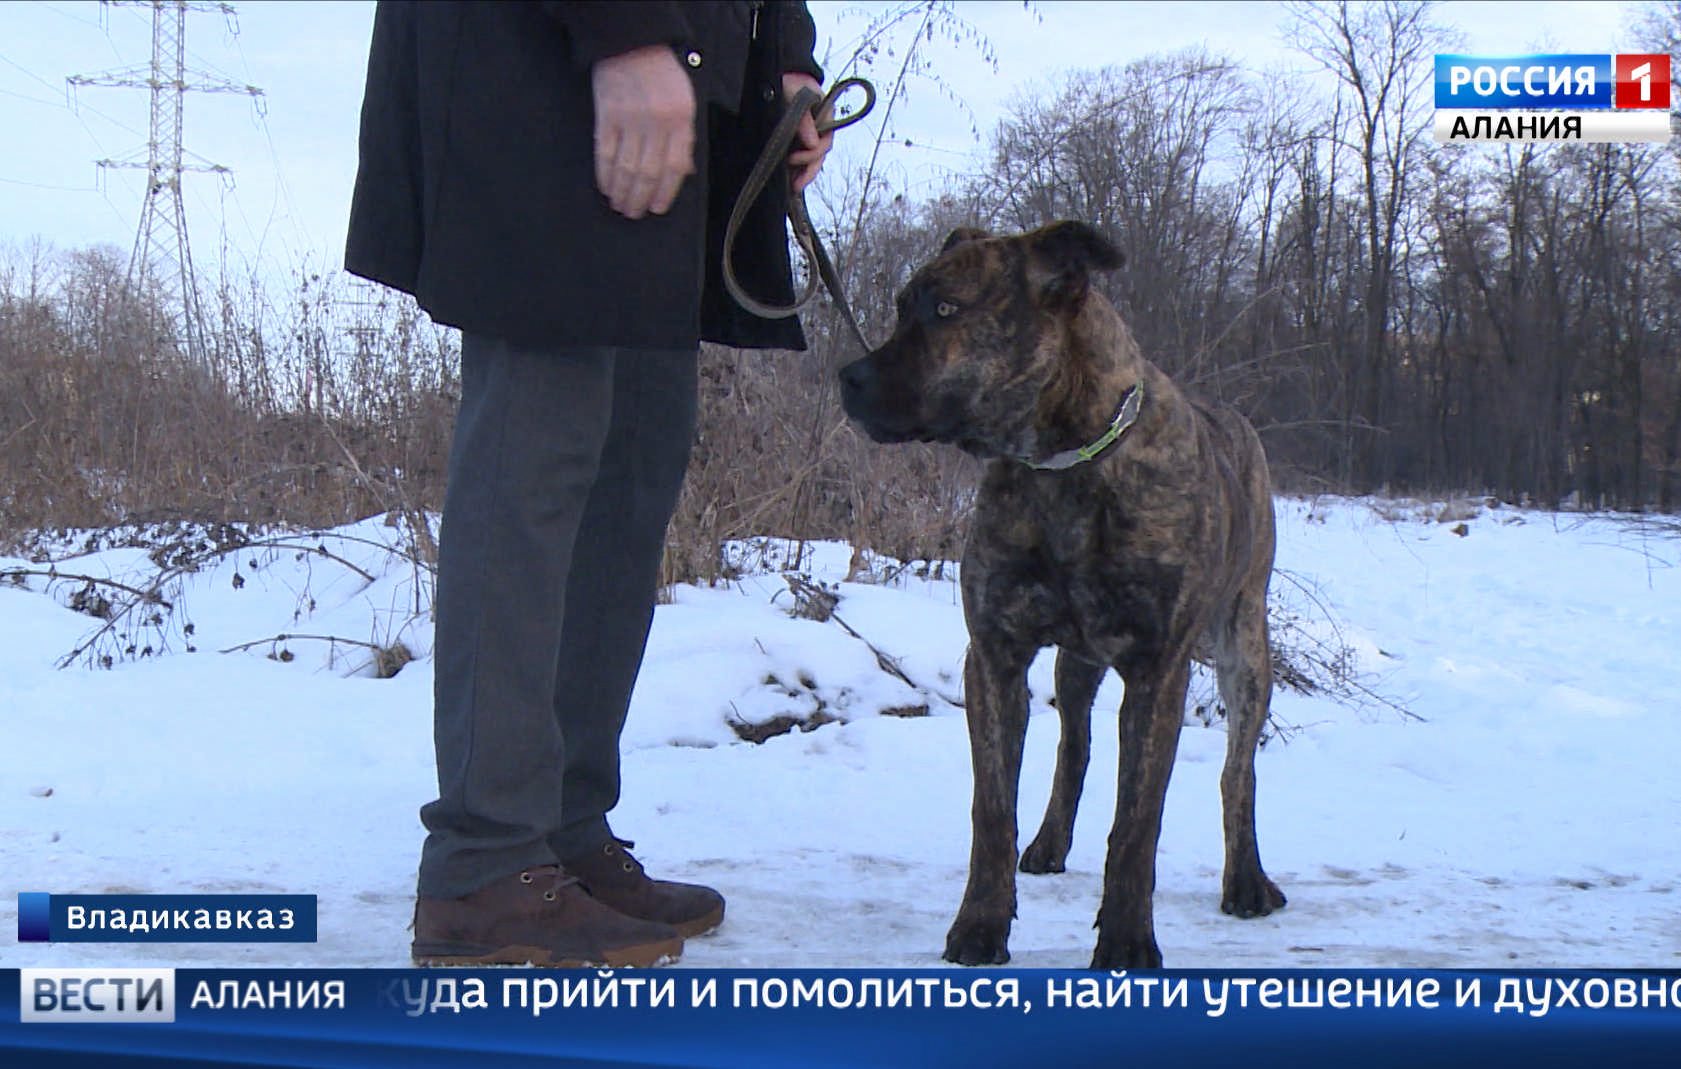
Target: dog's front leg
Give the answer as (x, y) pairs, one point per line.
(995, 682)
(1152, 713)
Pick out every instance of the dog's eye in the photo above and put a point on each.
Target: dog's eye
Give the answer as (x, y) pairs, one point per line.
(945, 309)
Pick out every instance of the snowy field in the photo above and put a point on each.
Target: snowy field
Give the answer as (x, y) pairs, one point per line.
(1531, 816)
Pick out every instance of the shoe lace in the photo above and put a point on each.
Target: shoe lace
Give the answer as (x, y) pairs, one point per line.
(551, 877)
(622, 846)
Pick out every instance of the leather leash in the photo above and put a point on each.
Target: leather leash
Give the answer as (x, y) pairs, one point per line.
(772, 160)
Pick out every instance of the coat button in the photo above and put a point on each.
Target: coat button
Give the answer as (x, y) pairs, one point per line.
(769, 93)
(692, 59)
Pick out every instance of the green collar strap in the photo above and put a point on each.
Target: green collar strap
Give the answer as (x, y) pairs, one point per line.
(1125, 416)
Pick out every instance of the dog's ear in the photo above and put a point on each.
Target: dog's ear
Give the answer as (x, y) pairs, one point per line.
(962, 234)
(1062, 257)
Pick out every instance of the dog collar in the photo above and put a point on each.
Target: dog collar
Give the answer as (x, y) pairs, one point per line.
(1125, 416)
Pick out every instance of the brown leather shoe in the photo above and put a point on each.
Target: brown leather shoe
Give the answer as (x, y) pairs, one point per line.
(538, 917)
(612, 876)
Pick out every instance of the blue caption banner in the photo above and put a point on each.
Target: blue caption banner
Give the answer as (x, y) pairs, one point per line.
(50, 918)
(1377, 1019)
(1566, 80)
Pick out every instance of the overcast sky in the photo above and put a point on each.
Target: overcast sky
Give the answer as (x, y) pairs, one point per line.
(293, 159)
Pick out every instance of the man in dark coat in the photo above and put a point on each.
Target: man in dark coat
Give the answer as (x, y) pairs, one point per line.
(553, 179)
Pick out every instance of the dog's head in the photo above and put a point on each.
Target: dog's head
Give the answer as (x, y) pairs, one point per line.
(986, 334)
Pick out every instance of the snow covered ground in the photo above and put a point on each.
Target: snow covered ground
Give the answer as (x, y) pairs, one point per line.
(1532, 818)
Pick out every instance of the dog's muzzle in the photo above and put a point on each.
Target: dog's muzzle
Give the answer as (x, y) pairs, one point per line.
(862, 400)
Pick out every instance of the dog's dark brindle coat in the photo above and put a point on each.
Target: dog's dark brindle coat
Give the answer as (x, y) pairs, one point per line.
(1124, 562)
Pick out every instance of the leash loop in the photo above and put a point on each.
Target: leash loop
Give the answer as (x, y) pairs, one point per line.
(822, 108)
(825, 108)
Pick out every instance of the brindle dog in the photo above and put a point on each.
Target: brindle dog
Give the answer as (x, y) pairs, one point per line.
(1117, 520)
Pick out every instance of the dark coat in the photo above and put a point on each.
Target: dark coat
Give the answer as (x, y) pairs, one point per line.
(476, 186)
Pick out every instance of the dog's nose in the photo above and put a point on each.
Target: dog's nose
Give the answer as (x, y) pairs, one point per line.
(855, 377)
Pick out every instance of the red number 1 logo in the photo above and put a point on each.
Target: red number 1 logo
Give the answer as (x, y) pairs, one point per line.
(1643, 81)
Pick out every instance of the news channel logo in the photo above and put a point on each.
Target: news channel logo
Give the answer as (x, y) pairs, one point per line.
(1587, 97)
(96, 996)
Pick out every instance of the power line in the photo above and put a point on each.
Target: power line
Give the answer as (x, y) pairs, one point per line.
(72, 17)
(15, 65)
(44, 185)
(75, 110)
(32, 100)
(282, 199)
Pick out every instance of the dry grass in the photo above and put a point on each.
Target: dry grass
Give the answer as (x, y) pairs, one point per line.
(338, 403)
(315, 414)
(775, 456)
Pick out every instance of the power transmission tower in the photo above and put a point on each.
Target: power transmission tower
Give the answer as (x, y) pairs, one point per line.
(162, 263)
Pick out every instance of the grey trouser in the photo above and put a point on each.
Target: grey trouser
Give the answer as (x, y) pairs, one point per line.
(563, 474)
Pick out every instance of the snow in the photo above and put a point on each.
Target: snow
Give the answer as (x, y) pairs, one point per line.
(1529, 818)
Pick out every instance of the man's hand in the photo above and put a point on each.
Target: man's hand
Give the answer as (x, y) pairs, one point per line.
(806, 158)
(644, 130)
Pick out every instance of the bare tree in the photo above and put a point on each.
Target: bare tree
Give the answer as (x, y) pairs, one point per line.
(1379, 53)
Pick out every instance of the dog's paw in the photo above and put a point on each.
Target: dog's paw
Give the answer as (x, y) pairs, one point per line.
(1126, 953)
(1251, 895)
(978, 943)
(1043, 856)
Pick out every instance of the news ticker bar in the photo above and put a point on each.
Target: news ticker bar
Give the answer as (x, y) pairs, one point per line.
(164, 995)
(50, 918)
(1599, 127)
